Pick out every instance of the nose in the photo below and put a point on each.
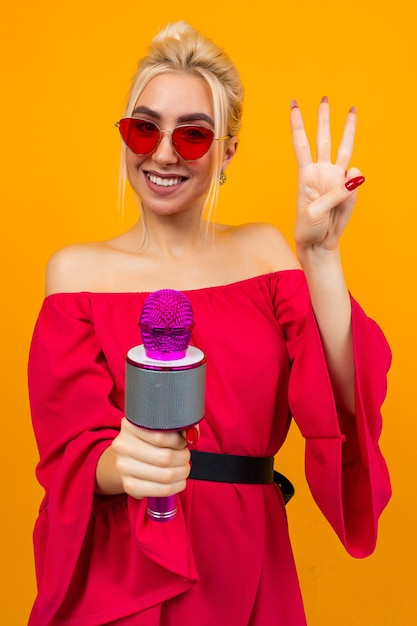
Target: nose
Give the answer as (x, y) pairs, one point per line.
(164, 153)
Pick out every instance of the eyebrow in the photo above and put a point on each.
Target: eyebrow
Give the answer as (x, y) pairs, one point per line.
(187, 117)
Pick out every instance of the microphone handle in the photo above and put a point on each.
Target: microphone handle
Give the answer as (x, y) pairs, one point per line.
(162, 509)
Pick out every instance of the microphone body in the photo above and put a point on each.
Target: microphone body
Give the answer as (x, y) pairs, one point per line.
(165, 378)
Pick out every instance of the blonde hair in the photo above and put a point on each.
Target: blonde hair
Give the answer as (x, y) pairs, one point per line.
(180, 49)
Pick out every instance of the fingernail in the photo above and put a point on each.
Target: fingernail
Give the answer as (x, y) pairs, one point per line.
(352, 110)
(293, 105)
(191, 435)
(324, 99)
(354, 182)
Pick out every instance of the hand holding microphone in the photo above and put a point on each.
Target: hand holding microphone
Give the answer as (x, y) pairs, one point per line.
(165, 377)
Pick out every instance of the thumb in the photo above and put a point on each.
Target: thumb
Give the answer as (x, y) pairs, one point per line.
(192, 434)
(338, 195)
(353, 183)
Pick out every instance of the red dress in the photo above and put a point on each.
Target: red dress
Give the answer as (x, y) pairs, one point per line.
(226, 558)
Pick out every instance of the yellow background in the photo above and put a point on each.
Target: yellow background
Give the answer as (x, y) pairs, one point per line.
(66, 68)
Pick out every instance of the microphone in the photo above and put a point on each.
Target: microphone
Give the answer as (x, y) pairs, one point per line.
(165, 377)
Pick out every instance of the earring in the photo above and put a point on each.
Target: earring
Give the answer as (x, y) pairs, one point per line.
(222, 177)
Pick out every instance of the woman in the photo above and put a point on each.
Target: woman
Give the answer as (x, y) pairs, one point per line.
(280, 340)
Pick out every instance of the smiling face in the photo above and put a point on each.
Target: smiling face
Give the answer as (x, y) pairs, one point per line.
(164, 181)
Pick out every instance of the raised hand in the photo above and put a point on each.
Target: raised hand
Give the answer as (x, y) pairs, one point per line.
(326, 195)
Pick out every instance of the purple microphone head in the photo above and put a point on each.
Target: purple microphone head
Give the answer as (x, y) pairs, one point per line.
(166, 323)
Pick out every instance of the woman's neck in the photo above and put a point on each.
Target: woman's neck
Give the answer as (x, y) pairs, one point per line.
(172, 236)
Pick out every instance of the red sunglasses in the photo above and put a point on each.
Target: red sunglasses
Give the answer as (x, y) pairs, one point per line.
(190, 141)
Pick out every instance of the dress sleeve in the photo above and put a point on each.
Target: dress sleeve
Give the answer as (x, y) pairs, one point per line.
(345, 469)
(76, 412)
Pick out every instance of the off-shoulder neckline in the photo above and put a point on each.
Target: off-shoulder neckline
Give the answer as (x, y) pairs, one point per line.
(236, 283)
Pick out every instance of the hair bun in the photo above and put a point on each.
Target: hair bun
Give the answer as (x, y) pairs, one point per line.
(174, 30)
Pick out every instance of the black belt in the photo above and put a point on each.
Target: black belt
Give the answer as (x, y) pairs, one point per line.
(231, 468)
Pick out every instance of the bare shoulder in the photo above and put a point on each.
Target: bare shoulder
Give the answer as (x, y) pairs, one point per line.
(265, 244)
(74, 267)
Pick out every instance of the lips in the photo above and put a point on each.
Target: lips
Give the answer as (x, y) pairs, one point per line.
(168, 181)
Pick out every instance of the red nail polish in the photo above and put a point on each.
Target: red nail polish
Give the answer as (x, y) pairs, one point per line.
(354, 182)
(352, 110)
(191, 435)
(293, 105)
(324, 99)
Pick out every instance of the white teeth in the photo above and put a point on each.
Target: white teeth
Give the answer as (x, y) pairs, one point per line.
(163, 182)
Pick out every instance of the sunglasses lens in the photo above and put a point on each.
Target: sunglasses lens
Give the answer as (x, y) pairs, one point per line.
(192, 142)
(140, 136)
